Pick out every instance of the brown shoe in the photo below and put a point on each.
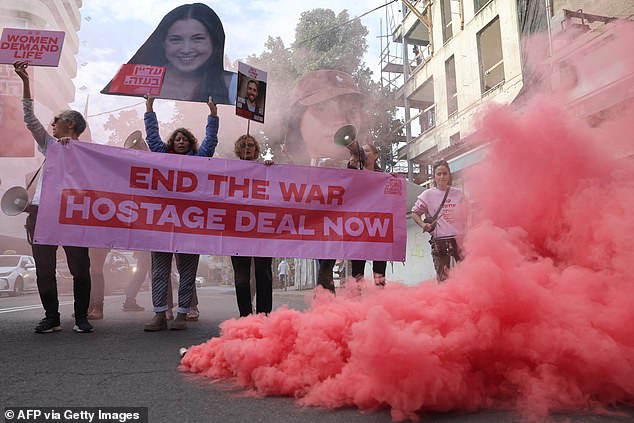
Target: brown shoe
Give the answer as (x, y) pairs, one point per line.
(157, 323)
(180, 322)
(95, 313)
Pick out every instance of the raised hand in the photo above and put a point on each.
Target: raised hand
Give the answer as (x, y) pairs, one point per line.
(149, 103)
(20, 68)
(213, 109)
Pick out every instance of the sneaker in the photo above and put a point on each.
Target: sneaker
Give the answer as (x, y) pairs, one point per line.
(180, 322)
(131, 306)
(193, 314)
(48, 325)
(82, 326)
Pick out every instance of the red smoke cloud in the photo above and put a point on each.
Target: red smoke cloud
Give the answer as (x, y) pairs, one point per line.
(537, 318)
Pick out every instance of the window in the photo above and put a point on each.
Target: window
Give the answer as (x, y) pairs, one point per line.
(447, 30)
(454, 139)
(479, 4)
(490, 56)
(428, 118)
(452, 88)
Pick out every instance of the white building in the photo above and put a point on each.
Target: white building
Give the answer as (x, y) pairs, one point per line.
(52, 89)
(445, 59)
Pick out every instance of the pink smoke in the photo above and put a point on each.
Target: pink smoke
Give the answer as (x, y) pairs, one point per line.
(537, 318)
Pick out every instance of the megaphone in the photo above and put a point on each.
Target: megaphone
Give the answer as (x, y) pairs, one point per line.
(135, 141)
(345, 136)
(14, 201)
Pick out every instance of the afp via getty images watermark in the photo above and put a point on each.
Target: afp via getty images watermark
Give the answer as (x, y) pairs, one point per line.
(76, 414)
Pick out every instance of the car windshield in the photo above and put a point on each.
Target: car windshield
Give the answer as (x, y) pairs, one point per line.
(9, 261)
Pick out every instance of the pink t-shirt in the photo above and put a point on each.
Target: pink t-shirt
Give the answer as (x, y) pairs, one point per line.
(451, 221)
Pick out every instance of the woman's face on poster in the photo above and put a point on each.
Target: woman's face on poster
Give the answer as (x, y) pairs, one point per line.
(321, 121)
(188, 45)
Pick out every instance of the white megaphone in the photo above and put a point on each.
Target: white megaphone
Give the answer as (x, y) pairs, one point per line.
(14, 201)
(135, 141)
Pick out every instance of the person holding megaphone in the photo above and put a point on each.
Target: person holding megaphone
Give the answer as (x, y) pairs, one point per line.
(67, 125)
(325, 115)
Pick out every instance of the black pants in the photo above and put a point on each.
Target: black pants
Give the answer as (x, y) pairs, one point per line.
(358, 268)
(324, 274)
(442, 250)
(263, 284)
(45, 264)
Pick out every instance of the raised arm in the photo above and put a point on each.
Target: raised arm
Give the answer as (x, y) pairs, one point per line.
(208, 146)
(153, 137)
(32, 123)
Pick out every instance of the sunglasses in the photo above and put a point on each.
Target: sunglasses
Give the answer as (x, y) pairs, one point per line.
(57, 119)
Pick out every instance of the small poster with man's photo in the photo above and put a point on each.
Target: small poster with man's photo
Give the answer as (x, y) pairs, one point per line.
(251, 97)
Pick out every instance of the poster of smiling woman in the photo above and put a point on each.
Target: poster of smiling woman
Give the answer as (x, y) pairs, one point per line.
(189, 43)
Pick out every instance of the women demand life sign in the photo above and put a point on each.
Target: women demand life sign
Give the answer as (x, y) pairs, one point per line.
(37, 47)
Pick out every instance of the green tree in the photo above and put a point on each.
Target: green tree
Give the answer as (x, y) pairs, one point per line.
(323, 40)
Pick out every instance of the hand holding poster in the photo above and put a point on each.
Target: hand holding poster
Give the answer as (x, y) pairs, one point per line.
(37, 47)
(101, 196)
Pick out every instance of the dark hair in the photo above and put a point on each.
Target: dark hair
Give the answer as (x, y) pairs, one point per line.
(237, 146)
(76, 118)
(375, 150)
(436, 165)
(193, 146)
(152, 52)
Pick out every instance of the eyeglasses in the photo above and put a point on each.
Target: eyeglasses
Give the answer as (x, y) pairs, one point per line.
(249, 145)
(57, 119)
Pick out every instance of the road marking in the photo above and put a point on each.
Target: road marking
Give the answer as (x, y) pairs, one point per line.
(29, 307)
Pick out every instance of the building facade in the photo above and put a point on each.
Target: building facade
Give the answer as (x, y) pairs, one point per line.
(52, 88)
(446, 59)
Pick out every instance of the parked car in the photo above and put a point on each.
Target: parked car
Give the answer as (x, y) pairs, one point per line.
(118, 270)
(17, 274)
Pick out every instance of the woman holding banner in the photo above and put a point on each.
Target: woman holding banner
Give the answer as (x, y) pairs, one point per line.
(322, 103)
(180, 142)
(189, 41)
(247, 148)
(378, 266)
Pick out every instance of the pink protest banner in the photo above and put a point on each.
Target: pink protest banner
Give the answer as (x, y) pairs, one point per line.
(101, 196)
(138, 79)
(37, 47)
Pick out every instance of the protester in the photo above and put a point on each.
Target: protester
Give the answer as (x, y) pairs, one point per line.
(447, 228)
(247, 148)
(189, 41)
(67, 125)
(180, 142)
(143, 259)
(378, 266)
(283, 270)
(98, 285)
(323, 102)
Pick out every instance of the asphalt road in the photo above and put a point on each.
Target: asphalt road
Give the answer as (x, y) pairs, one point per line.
(119, 365)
